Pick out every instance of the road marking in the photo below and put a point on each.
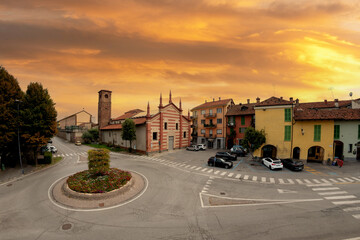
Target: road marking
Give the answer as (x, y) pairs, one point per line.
(193, 167)
(246, 177)
(272, 180)
(230, 174)
(357, 179)
(238, 176)
(211, 170)
(307, 181)
(325, 189)
(340, 197)
(357, 216)
(349, 179)
(198, 168)
(254, 178)
(316, 181)
(67, 155)
(71, 154)
(281, 181)
(204, 170)
(333, 180)
(299, 181)
(351, 209)
(223, 173)
(341, 180)
(291, 181)
(355, 238)
(346, 202)
(182, 165)
(216, 172)
(286, 191)
(161, 160)
(319, 185)
(332, 193)
(263, 179)
(325, 181)
(187, 166)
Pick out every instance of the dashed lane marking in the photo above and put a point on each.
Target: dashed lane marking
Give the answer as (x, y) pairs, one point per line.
(254, 178)
(230, 174)
(223, 173)
(340, 197)
(216, 172)
(346, 202)
(351, 209)
(332, 193)
(238, 176)
(325, 188)
(246, 177)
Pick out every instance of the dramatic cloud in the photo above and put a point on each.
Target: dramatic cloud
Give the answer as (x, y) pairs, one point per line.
(199, 49)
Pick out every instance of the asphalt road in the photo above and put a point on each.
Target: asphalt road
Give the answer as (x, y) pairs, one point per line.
(185, 199)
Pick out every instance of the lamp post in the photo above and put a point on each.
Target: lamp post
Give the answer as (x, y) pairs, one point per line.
(18, 103)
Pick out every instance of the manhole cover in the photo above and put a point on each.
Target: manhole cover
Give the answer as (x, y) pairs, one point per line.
(66, 226)
(222, 193)
(9, 185)
(101, 204)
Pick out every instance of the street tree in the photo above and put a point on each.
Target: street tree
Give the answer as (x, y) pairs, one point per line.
(9, 119)
(39, 119)
(253, 139)
(129, 131)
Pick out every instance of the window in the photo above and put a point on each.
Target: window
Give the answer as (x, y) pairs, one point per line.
(165, 126)
(203, 121)
(202, 112)
(350, 148)
(210, 111)
(219, 121)
(242, 120)
(287, 115)
(287, 136)
(211, 123)
(177, 126)
(242, 130)
(195, 113)
(219, 110)
(210, 132)
(202, 131)
(154, 135)
(218, 131)
(184, 134)
(336, 131)
(317, 133)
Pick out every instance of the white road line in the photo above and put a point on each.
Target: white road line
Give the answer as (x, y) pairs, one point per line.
(254, 178)
(346, 202)
(193, 167)
(206, 186)
(198, 168)
(333, 180)
(187, 166)
(291, 181)
(349, 179)
(325, 181)
(67, 155)
(307, 181)
(299, 181)
(263, 179)
(203, 169)
(357, 179)
(325, 189)
(182, 165)
(223, 173)
(161, 160)
(340, 197)
(351, 209)
(62, 155)
(230, 174)
(319, 185)
(246, 177)
(357, 216)
(216, 172)
(281, 181)
(355, 238)
(210, 171)
(332, 193)
(341, 180)
(272, 180)
(238, 176)
(316, 181)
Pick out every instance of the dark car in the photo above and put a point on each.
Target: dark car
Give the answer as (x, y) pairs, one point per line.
(293, 164)
(218, 162)
(238, 151)
(226, 156)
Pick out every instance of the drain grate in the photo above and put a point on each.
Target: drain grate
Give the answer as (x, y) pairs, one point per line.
(101, 204)
(222, 193)
(66, 226)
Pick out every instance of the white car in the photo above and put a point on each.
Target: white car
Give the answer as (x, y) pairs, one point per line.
(201, 146)
(53, 149)
(272, 163)
(192, 148)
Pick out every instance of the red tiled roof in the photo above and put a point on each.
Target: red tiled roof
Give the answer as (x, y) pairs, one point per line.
(327, 104)
(129, 114)
(301, 113)
(213, 104)
(273, 101)
(243, 109)
(138, 121)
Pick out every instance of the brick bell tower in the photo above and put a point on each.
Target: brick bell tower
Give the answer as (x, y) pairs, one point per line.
(104, 110)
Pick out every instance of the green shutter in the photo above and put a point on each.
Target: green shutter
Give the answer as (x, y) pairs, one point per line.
(317, 133)
(287, 133)
(336, 131)
(287, 115)
(242, 120)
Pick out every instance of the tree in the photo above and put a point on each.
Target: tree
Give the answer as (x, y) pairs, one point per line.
(9, 119)
(129, 131)
(87, 137)
(94, 134)
(253, 139)
(39, 119)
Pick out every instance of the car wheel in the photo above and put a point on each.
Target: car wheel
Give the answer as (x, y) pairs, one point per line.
(271, 168)
(227, 166)
(211, 164)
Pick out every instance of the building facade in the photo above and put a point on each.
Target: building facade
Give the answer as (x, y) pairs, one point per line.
(166, 130)
(209, 123)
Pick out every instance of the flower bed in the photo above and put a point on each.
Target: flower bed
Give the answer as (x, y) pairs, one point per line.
(85, 182)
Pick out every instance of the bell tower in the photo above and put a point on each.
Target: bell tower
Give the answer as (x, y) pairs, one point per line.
(104, 110)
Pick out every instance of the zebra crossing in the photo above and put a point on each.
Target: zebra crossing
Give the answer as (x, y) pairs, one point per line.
(349, 203)
(70, 154)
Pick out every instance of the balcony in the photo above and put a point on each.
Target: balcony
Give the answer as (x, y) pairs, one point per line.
(231, 124)
(209, 126)
(210, 115)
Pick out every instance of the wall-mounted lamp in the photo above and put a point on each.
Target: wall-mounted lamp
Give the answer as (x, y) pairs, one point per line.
(302, 131)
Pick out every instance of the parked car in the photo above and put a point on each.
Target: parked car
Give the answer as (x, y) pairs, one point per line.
(238, 151)
(239, 146)
(201, 146)
(292, 164)
(48, 148)
(52, 149)
(272, 163)
(219, 162)
(226, 156)
(192, 148)
(77, 143)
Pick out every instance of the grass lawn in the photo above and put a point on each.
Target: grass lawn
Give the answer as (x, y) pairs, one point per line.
(113, 149)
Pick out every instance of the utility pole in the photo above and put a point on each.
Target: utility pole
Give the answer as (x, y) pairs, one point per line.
(18, 103)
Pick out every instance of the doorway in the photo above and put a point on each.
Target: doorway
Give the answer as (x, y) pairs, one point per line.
(269, 151)
(171, 143)
(339, 149)
(296, 153)
(315, 153)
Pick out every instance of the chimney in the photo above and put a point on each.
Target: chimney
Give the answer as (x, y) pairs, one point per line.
(248, 101)
(281, 98)
(297, 101)
(291, 99)
(213, 99)
(337, 103)
(325, 101)
(257, 100)
(219, 98)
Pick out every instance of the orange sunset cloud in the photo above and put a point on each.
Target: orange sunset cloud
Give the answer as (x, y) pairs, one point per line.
(197, 49)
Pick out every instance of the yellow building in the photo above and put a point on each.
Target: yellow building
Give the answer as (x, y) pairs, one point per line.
(209, 123)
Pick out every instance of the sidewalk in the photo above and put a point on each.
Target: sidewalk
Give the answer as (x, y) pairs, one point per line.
(12, 173)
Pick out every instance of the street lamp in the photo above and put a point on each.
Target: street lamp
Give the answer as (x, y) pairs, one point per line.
(18, 103)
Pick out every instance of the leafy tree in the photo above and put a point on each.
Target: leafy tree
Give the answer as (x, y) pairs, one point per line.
(39, 119)
(9, 119)
(129, 131)
(253, 139)
(94, 134)
(87, 137)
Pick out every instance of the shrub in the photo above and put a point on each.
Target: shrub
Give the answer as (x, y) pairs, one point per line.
(99, 161)
(87, 137)
(47, 158)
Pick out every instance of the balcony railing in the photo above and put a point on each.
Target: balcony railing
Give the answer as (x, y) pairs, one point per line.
(209, 126)
(210, 115)
(231, 124)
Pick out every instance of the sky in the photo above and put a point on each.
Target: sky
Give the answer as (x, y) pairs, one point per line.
(199, 49)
